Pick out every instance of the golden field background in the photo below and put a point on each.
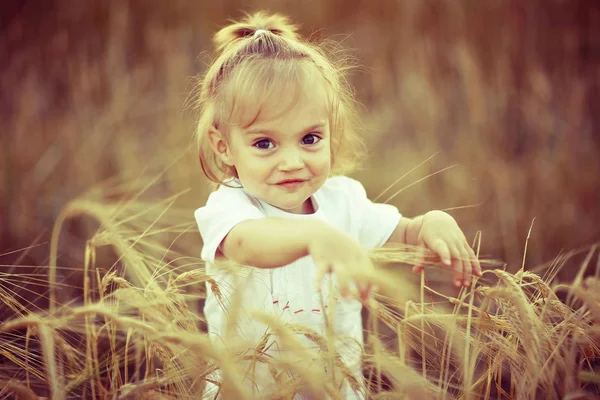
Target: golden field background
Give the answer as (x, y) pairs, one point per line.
(505, 90)
(97, 133)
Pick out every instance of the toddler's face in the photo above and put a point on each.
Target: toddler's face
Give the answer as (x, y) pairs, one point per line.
(284, 158)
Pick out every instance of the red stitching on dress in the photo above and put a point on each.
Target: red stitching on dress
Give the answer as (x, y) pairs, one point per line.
(286, 307)
(299, 311)
(316, 310)
(276, 301)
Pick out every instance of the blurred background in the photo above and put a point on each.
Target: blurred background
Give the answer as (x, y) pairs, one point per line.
(504, 93)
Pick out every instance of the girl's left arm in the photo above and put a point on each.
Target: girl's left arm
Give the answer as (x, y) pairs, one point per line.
(439, 232)
(407, 231)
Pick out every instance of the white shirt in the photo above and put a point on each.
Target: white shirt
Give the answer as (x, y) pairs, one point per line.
(289, 291)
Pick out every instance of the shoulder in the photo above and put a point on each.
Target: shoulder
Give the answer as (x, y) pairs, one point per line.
(343, 186)
(229, 199)
(225, 208)
(341, 195)
(349, 206)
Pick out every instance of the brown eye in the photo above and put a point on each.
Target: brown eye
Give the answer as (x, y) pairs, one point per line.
(310, 139)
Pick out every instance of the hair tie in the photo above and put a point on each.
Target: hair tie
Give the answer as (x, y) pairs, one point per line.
(259, 32)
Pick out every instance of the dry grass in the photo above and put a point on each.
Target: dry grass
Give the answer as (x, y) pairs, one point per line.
(138, 334)
(107, 305)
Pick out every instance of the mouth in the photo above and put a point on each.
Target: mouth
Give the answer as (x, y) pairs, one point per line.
(290, 183)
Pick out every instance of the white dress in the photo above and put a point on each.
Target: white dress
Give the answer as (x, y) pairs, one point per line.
(289, 291)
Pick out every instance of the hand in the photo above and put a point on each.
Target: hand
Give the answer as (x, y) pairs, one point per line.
(335, 251)
(441, 234)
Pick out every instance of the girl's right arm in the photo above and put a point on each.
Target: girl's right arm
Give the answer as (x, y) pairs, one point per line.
(274, 242)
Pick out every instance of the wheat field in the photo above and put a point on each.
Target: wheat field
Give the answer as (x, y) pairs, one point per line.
(136, 331)
(485, 109)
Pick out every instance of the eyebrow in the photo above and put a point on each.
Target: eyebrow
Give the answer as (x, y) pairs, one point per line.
(306, 130)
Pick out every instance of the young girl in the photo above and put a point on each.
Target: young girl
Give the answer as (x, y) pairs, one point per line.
(278, 127)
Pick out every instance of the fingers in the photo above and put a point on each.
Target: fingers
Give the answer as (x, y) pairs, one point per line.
(457, 267)
(364, 292)
(443, 251)
(356, 279)
(342, 272)
(475, 265)
(451, 257)
(322, 269)
(471, 265)
(417, 269)
(458, 256)
(351, 280)
(467, 269)
(365, 285)
(351, 287)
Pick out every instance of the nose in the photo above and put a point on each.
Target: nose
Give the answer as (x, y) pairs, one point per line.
(291, 161)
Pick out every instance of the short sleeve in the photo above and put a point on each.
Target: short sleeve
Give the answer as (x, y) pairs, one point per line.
(374, 222)
(224, 209)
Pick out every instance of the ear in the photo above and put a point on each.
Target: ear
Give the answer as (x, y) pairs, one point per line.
(220, 146)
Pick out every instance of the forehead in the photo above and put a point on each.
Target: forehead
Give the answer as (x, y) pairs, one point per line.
(266, 91)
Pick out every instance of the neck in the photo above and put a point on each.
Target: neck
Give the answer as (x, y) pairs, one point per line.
(307, 207)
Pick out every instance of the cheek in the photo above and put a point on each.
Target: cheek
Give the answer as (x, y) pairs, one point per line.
(253, 167)
(322, 160)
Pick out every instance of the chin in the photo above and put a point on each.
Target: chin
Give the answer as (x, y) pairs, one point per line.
(289, 205)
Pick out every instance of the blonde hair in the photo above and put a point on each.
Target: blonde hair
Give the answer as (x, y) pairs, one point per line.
(261, 57)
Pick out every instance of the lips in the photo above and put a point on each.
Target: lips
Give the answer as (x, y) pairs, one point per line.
(290, 183)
